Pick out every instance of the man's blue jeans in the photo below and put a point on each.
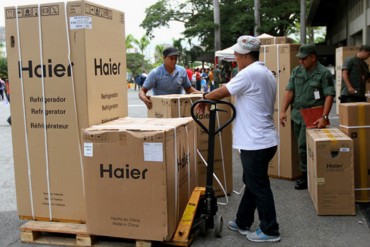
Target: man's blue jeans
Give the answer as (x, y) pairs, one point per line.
(257, 194)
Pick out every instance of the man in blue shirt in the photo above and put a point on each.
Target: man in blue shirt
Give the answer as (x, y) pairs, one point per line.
(167, 78)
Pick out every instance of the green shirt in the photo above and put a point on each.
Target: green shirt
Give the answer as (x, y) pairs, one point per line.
(310, 88)
(358, 73)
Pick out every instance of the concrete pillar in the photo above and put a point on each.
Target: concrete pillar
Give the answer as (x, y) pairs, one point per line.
(303, 22)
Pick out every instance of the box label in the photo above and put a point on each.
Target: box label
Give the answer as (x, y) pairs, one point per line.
(88, 149)
(80, 22)
(153, 151)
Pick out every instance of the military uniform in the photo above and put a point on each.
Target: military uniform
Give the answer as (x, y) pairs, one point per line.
(310, 89)
(358, 72)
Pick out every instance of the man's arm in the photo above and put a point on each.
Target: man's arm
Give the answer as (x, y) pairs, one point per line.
(190, 90)
(145, 98)
(322, 123)
(288, 99)
(345, 77)
(216, 94)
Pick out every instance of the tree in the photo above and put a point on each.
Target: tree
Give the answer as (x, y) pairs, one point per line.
(3, 68)
(158, 53)
(129, 40)
(135, 63)
(236, 18)
(142, 44)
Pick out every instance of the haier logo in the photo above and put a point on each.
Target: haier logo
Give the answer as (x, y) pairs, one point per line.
(106, 68)
(46, 70)
(125, 173)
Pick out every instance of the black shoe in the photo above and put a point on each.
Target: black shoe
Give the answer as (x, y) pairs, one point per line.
(301, 184)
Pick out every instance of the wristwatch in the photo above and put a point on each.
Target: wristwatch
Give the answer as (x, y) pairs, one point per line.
(325, 117)
(204, 95)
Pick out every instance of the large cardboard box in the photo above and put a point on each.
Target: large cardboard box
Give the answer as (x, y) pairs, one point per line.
(355, 122)
(273, 40)
(341, 53)
(67, 68)
(330, 171)
(281, 59)
(137, 176)
(179, 105)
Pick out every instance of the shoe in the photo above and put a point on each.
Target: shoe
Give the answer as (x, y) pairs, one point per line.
(233, 226)
(259, 236)
(301, 184)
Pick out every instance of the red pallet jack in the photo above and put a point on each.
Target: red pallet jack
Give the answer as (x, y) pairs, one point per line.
(201, 210)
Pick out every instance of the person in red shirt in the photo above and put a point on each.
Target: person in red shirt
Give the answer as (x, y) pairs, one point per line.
(189, 72)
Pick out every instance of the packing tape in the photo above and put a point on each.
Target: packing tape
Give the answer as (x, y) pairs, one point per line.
(29, 174)
(44, 114)
(333, 140)
(363, 170)
(278, 103)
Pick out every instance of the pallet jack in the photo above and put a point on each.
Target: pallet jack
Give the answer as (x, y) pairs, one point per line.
(201, 210)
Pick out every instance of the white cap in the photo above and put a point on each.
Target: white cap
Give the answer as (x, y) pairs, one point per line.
(246, 44)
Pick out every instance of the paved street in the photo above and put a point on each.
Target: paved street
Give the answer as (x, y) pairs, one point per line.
(299, 223)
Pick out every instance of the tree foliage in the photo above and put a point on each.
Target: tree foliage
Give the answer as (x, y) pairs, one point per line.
(237, 18)
(3, 68)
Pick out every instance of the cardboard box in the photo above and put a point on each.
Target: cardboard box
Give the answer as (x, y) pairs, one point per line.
(354, 114)
(274, 40)
(78, 71)
(330, 171)
(139, 196)
(355, 122)
(281, 59)
(170, 106)
(341, 53)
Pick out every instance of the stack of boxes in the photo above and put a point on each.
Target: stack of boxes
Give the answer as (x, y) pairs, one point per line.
(174, 106)
(281, 59)
(354, 120)
(66, 75)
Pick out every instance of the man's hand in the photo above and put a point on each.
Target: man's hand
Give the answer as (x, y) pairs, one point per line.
(283, 119)
(351, 90)
(320, 123)
(202, 108)
(147, 101)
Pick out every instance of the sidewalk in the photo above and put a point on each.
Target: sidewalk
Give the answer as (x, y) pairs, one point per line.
(300, 226)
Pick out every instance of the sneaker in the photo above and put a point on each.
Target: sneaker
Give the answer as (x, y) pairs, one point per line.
(233, 226)
(259, 236)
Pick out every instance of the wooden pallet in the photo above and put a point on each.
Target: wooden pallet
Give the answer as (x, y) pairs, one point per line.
(70, 234)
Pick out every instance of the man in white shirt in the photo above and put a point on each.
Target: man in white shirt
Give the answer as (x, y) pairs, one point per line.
(255, 136)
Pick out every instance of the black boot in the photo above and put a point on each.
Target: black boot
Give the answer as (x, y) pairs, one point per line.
(301, 184)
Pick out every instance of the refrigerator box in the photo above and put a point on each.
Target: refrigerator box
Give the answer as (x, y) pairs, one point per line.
(355, 123)
(137, 176)
(330, 171)
(67, 68)
(179, 105)
(273, 40)
(281, 60)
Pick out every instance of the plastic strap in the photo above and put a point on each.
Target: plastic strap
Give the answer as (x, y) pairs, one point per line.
(74, 98)
(24, 115)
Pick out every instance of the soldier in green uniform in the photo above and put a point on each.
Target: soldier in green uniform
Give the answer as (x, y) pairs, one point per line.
(310, 85)
(355, 74)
